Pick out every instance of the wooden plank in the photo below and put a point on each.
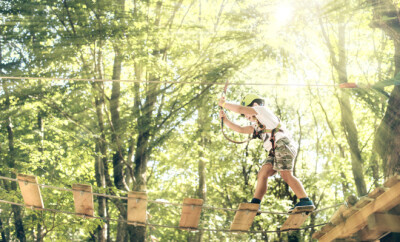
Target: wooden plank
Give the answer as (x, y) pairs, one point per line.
(317, 235)
(191, 211)
(366, 234)
(296, 218)
(384, 222)
(30, 191)
(83, 200)
(350, 211)
(137, 206)
(377, 192)
(244, 216)
(327, 228)
(393, 180)
(363, 201)
(338, 217)
(358, 220)
(347, 240)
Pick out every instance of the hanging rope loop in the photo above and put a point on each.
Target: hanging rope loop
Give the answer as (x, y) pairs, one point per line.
(222, 121)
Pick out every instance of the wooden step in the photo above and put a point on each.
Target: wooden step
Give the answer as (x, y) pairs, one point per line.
(83, 200)
(30, 191)
(244, 216)
(137, 206)
(191, 211)
(297, 217)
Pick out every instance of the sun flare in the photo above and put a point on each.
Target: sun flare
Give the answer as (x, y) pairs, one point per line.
(284, 12)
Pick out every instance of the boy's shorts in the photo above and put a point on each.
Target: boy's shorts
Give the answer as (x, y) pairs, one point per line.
(285, 152)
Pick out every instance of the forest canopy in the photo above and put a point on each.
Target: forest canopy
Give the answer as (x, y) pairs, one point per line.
(123, 96)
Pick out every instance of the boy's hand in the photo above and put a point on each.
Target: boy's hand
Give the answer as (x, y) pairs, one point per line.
(222, 114)
(221, 101)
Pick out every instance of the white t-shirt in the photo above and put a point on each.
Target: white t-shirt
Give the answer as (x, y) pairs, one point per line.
(270, 121)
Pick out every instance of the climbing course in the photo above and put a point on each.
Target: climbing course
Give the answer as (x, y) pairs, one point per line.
(137, 206)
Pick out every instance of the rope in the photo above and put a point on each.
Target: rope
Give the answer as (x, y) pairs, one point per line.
(158, 202)
(157, 225)
(176, 82)
(222, 121)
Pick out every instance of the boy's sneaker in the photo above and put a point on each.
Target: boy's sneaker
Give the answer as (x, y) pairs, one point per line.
(304, 203)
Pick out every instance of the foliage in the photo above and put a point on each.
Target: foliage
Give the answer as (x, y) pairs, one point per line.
(64, 130)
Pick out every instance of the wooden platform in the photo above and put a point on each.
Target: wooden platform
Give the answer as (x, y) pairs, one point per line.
(244, 216)
(297, 218)
(368, 219)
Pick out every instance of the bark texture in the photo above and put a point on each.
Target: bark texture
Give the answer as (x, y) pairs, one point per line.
(387, 142)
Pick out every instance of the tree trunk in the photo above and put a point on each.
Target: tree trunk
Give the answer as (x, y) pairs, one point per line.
(203, 120)
(118, 165)
(101, 166)
(40, 123)
(347, 120)
(144, 126)
(3, 234)
(387, 140)
(348, 123)
(102, 201)
(118, 156)
(17, 211)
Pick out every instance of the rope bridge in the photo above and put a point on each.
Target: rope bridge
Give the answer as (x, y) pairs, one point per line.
(137, 206)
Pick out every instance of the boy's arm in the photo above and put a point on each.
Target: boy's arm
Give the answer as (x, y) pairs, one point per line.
(236, 108)
(235, 127)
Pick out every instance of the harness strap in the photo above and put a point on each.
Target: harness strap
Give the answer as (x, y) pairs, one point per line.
(272, 137)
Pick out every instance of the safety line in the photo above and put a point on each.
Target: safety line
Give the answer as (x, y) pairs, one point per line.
(158, 225)
(173, 82)
(159, 202)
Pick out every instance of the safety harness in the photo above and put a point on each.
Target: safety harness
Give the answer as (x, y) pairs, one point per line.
(257, 134)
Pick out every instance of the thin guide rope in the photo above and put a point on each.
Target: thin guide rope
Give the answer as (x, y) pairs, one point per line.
(170, 82)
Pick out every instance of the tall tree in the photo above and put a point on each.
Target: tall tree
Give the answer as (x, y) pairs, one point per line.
(11, 162)
(339, 63)
(387, 142)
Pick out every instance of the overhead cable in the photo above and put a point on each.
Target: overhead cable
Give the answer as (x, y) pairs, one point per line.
(349, 85)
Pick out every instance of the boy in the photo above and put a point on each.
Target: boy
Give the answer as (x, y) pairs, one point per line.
(281, 148)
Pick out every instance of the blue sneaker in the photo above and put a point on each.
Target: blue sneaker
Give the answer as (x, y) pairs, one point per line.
(305, 203)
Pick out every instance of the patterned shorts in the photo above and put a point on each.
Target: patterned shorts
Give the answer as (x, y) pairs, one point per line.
(285, 152)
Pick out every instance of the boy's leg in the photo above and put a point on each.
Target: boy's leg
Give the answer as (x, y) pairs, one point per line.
(294, 183)
(285, 154)
(262, 180)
